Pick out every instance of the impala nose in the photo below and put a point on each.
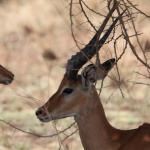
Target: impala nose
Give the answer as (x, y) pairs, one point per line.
(38, 112)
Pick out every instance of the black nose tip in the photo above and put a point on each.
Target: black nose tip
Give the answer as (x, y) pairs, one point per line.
(38, 112)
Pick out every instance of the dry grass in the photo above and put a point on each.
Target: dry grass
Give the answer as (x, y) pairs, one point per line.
(29, 29)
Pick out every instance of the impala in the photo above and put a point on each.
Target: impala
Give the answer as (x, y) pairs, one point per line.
(6, 77)
(77, 96)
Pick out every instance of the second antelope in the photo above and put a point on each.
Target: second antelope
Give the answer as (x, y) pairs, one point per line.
(6, 77)
(77, 96)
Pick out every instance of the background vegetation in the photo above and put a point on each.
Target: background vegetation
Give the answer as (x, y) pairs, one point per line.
(35, 43)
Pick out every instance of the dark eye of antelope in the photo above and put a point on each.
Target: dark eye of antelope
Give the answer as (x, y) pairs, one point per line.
(67, 91)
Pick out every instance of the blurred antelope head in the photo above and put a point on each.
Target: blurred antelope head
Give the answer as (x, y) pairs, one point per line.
(6, 77)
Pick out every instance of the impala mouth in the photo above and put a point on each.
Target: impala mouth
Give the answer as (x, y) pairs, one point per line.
(50, 118)
(45, 119)
(8, 82)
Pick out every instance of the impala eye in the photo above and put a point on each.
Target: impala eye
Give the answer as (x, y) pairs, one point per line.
(68, 91)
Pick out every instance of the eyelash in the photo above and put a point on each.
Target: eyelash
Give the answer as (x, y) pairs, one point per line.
(67, 91)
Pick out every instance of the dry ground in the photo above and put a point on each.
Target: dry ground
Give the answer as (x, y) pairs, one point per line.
(35, 42)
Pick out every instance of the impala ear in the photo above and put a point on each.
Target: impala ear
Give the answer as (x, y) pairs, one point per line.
(91, 73)
(107, 65)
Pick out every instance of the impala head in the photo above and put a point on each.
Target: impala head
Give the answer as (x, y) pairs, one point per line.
(68, 100)
(74, 89)
(6, 77)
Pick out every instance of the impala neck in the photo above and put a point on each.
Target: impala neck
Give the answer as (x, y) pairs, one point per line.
(95, 131)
